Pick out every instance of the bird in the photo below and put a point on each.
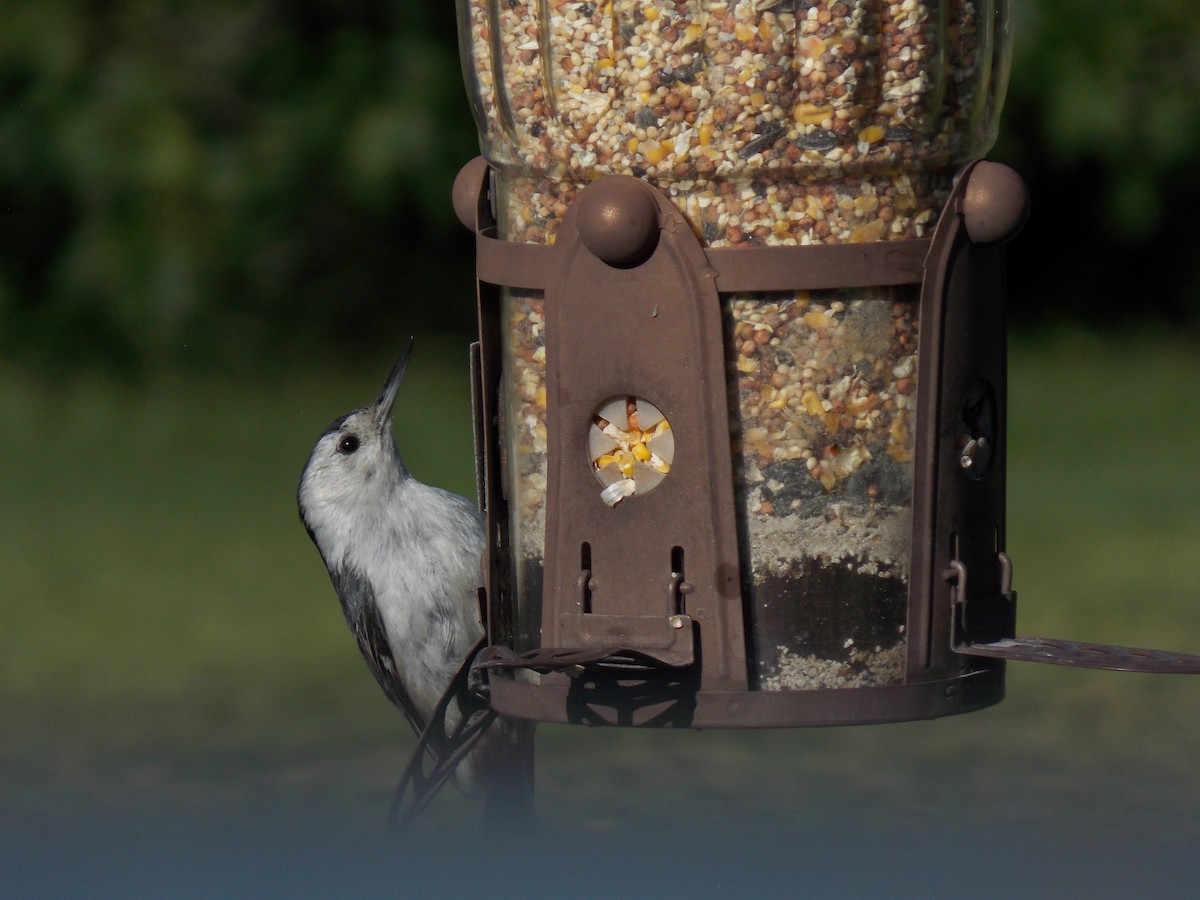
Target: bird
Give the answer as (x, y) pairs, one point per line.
(404, 559)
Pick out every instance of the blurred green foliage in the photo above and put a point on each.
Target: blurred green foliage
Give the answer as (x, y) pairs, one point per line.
(1113, 85)
(1103, 122)
(212, 182)
(209, 179)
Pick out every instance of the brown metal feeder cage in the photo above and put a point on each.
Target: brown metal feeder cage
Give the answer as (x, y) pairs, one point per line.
(657, 555)
(643, 619)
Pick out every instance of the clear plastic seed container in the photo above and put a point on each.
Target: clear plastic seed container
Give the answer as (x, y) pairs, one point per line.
(767, 122)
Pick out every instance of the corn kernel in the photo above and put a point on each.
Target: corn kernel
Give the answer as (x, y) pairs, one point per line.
(747, 364)
(809, 114)
(813, 47)
(625, 461)
(653, 151)
(812, 403)
(871, 231)
(859, 405)
(816, 319)
(871, 134)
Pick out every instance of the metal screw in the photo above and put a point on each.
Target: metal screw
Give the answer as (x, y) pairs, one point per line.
(967, 459)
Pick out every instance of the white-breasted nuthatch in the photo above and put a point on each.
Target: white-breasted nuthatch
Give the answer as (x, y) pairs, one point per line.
(404, 560)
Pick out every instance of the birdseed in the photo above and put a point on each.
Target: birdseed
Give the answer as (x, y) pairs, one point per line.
(767, 123)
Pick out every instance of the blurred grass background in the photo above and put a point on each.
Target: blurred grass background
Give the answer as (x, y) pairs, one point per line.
(218, 222)
(172, 649)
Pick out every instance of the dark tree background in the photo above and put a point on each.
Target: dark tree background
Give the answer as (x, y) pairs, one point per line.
(208, 182)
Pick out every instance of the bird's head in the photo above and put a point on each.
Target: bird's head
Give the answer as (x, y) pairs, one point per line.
(355, 461)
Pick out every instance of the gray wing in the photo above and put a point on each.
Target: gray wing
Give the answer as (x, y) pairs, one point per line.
(362, 615)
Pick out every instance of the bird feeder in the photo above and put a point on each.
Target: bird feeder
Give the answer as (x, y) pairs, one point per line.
(740, 378)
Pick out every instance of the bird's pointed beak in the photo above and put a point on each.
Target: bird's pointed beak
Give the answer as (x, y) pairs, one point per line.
(387, 397)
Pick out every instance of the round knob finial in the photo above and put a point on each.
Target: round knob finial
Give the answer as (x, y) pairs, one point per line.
(618, 220)
(996, 203)
(465, 194)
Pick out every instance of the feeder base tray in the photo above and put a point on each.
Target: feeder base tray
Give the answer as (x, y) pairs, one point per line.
(675, 702)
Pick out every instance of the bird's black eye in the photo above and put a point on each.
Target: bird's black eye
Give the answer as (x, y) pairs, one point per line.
(347, 444)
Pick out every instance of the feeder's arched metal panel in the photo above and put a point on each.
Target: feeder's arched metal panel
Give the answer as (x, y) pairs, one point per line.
(652, 573)
(959, 483)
